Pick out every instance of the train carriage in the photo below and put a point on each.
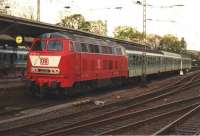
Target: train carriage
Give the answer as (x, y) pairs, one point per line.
(12, 59)
(145, 63)
(135, 62)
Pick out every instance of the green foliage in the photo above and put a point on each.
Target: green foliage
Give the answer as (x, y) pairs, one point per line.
(153, 40)
(195, 55)
(77, 21)
(173, 44)
(127, 33)
(168, 42)
(98, 27)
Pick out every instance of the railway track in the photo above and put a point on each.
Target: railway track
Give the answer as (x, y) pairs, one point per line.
(105, 112)
(188, 124)
(114, 124)
(13, 109)
(132, 127)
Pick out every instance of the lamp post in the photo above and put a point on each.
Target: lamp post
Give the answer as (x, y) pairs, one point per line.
(144, 4)
(144, 22)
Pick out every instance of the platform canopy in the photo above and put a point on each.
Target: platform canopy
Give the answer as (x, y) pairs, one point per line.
(14, 26)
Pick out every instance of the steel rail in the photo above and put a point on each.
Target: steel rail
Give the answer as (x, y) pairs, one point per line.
(165, 129)
(156, 118)
(98, 123)
(142, 99)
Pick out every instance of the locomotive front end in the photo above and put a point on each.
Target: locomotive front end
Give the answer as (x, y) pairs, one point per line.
(47, 69)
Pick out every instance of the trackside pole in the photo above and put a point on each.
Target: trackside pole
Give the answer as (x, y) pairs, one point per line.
(181, 71)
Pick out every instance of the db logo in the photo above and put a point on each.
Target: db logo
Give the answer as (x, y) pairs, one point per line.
(44, 61)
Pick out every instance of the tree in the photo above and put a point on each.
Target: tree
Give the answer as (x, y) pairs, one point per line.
(173, 44)
(183, 44)
(98, 27)
(8, 7)
(127, 33)
(153, 40)
(77, 21)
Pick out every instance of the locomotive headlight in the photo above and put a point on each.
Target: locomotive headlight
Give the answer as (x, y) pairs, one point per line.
(34, 70)
(54, 71)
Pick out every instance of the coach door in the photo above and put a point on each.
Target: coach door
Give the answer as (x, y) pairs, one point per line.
(144, 64)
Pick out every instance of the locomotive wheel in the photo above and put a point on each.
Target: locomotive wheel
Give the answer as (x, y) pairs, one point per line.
(40, 92)
(31, 88)
(67, 92)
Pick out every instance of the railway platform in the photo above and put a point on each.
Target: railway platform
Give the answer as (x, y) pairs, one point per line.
(11, 87)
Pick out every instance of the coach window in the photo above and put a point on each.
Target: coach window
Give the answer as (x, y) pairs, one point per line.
(135, 59)
(4, 56)
(139, 59)
(25, 57)
(150, 60)
(154, 60)
(130, 60)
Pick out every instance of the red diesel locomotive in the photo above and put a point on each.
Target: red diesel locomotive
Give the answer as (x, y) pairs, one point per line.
(58, 63)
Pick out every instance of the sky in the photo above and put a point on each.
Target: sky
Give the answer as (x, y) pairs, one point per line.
(180, 21)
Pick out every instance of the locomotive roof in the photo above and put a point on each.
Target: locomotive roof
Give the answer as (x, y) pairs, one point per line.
(97, 41)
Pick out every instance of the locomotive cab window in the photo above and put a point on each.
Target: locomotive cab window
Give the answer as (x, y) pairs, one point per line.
(38, 46)
(55, 46)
